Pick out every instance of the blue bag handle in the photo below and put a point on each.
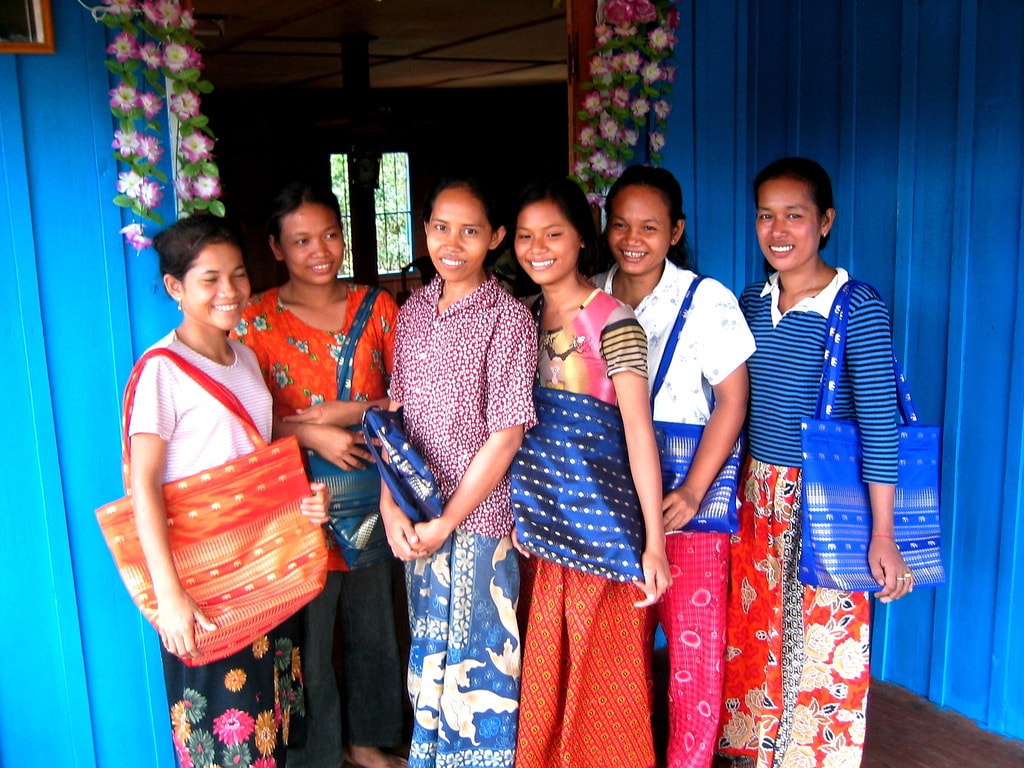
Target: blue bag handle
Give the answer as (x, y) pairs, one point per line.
(673, 339)
(319, 466)
(835, 350)
(346, 354)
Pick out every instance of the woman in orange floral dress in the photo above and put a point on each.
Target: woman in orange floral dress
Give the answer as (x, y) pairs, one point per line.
(304, 333)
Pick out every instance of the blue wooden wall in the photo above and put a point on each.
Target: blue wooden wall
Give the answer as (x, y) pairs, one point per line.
(915, 108)
(83, 679)
(917, 111)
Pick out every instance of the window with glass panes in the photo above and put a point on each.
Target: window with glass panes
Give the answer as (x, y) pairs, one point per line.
(393, 209)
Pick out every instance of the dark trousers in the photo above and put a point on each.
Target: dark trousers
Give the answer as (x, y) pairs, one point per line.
(371, 680)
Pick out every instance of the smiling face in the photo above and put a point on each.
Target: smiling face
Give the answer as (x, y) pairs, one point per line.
(311, 244)
(459, 237)
(640, 231)
(213, 291)
(547, 245)
(790, 225)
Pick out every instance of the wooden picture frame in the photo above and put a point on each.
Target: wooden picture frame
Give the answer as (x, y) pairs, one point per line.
(26, 26)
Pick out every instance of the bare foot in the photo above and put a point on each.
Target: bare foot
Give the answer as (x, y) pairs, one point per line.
(371, 757)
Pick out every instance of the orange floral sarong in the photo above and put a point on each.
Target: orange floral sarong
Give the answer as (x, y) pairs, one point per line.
(797, 657)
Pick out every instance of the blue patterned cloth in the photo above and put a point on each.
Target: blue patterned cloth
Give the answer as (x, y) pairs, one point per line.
(572, 489)
(464, 665)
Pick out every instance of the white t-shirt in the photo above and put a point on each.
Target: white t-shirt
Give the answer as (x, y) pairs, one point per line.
(200, 432)
(714, 342)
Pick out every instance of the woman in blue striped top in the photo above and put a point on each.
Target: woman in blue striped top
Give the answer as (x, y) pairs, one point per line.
(796, 675)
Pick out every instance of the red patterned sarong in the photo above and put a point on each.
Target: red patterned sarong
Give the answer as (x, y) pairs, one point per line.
(585, 701)
(692, 614)
(796, 672)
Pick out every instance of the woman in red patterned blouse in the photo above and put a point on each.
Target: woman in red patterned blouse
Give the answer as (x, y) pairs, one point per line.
(465, 356)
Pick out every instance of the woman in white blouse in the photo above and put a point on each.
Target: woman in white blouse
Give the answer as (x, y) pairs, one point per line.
(645, 235)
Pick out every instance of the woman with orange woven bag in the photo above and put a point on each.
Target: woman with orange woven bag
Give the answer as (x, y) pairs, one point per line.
(237, 708)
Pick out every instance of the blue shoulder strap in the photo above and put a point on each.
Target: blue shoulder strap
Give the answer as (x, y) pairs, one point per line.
(348, 346)
(673, 339)
(835, 350)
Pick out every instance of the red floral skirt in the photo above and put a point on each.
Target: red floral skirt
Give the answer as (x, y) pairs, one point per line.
(796, 670)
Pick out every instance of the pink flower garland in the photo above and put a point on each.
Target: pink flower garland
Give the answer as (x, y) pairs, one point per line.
(630, 85)
(622, 13)
(154, 46)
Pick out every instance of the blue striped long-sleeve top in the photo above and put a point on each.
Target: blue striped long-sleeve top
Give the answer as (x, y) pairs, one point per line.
(785, 375)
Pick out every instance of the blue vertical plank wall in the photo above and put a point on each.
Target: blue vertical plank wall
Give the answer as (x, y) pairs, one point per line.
(83, 684)
(916, 111)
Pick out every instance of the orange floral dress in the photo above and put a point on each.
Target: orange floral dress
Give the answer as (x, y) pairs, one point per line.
(285, 344)
(797, 657)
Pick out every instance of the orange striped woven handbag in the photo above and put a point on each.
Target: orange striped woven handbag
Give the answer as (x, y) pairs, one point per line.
(243, 550)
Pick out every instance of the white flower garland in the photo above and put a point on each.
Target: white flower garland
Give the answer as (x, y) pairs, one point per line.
(629, 91)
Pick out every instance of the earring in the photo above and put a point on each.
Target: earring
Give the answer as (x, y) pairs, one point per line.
(179, 305)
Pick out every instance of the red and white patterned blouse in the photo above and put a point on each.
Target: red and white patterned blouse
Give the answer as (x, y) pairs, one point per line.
(463, 375)
(300, 362)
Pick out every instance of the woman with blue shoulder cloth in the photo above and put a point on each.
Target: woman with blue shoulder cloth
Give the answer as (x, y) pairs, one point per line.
(585, 697)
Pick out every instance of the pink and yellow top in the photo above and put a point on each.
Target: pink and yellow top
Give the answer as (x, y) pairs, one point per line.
(603, 339)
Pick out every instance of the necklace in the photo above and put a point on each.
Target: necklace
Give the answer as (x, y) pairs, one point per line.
(813, 289)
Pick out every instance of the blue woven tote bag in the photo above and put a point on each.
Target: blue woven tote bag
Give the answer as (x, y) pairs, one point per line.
(572, 491)
(354, 514)
(836, 517)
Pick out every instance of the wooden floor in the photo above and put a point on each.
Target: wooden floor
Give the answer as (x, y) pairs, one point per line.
(903, 731)
(906, 731)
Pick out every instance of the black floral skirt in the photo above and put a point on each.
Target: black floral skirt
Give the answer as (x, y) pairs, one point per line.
(240, 711)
